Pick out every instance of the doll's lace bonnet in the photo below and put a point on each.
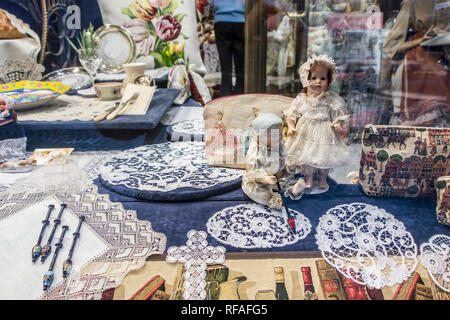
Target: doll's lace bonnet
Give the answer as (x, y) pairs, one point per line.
(305, 69)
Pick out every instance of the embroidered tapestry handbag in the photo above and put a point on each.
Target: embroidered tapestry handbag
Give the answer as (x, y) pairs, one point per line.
(403, 161)
(443, 200)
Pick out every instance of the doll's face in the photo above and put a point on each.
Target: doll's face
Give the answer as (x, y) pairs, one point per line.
(318, 81)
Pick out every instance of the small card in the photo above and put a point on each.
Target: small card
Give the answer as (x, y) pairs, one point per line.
(44, 156)
(140, 107)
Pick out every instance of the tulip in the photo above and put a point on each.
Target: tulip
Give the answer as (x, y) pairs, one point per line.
(144, 41)
(168, 28)
(144, 9)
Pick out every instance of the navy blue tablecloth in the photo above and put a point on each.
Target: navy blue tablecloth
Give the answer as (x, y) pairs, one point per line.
(124, 132)
(175, 219)
(161, 102)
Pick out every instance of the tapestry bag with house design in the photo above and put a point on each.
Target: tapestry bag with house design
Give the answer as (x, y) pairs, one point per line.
(443, 200)
(403, 161)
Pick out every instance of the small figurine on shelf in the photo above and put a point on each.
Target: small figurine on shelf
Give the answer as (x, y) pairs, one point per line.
(264, 160)
(317, 125)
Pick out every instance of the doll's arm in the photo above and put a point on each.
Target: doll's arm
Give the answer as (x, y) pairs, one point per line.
(291, 127)
(267, 180)
(292, 115)
(253, 174)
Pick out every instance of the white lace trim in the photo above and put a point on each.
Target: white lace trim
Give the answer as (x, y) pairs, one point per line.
(166, 167)
(435, 256)
(67, 108)
(22, 27)
(195, 256)
(18, 70)
(250, 226)
(13, 149)
(367, 245)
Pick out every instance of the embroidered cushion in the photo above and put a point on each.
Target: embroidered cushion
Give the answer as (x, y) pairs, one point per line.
(155, 24)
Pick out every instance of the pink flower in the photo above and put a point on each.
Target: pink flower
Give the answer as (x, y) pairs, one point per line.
(144, 41)
(160, 3)
(168, 28)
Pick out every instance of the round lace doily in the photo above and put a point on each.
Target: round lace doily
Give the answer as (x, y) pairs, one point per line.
(167, 171)
(435, 256)
(190, 130)
(250, 226)
(367, 245)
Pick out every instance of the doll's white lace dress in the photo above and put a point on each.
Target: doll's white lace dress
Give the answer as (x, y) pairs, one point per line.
(315, 143)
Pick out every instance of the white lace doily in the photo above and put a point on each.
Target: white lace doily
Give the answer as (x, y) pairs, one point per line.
(165, 167)
(435, 256)
(195, 256)
(190, 127)
(367, 245)
(250, 226)
(67, 108)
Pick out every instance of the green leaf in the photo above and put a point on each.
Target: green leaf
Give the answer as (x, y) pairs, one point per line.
(126, 11)
(151, 27)
(180, 17)
(158, 57)
(71, 44)
(170, 9)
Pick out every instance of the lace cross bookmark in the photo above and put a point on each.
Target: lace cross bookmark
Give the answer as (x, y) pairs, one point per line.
(195, 256)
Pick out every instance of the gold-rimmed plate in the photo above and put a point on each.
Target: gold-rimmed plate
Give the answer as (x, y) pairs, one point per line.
(116, 47)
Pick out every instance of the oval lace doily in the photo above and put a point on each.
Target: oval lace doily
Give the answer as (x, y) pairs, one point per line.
(367, 245)
(435, 256)
(167, 171)
(190, 130)
(250, 226)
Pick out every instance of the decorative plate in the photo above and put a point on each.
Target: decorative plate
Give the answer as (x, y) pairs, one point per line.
(76, 78)
(32, 94)
(116, 47)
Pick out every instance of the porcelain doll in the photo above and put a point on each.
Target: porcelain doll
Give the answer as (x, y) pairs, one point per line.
(264, 160)
(5, 109)
(317, 125)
